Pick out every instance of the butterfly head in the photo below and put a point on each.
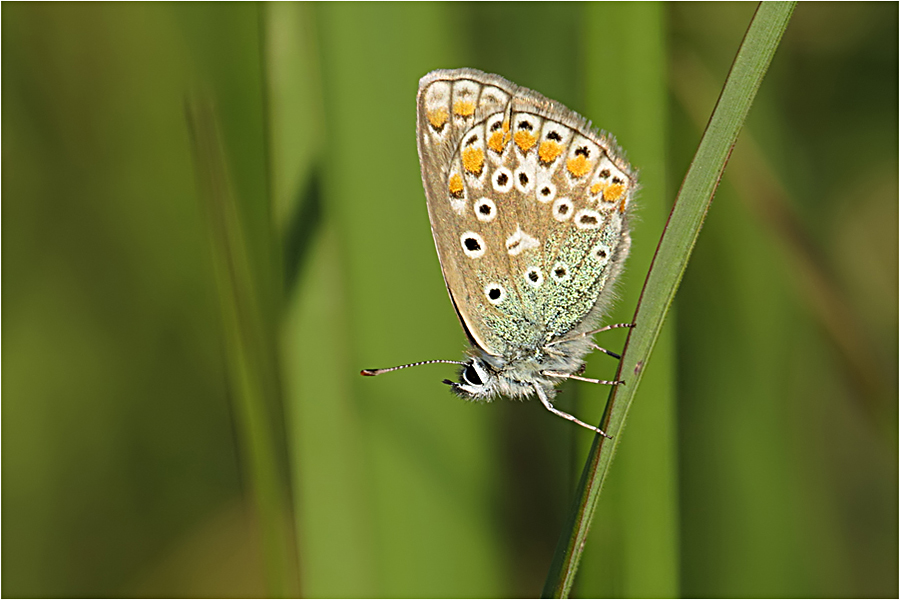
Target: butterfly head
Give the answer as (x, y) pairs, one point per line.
(477, 380)
(483, 377)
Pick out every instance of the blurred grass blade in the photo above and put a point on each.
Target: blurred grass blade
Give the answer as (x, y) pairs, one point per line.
(669, 263)
(247, 346)
(760, 188)
(325, 433)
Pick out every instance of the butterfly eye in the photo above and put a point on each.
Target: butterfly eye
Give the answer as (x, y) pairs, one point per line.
(470, 376)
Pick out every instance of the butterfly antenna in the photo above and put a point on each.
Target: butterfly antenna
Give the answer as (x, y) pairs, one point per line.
(374, 372)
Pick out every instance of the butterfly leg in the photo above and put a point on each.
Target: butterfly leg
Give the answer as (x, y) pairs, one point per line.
(601, 330)
(593, 345)
(605, 351)
(607, 328)
(546, 402)
(550, 350)
(579, 378)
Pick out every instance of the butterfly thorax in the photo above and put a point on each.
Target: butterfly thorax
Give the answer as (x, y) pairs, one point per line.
(484, 376)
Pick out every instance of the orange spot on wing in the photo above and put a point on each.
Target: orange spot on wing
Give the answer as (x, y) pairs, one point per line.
(549, 151)
(525, 141)
(613, 192)
(464, 108)
(456, 185)
(438, 118)
(473, 160)
(598, 187)
(499, 139)
(579, 166)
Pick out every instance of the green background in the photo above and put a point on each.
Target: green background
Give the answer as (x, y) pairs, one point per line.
(213, 218)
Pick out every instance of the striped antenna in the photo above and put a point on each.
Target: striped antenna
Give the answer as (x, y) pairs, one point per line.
(374, 372)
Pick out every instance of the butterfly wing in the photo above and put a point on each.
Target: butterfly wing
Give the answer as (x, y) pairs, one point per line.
(449, 104)
(528, 208)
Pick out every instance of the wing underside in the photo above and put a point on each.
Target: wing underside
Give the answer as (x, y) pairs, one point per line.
(528, 208)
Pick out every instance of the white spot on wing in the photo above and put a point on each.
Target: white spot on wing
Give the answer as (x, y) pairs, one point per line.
(534, 277)
(502, 180)
(562, 209)
(560, 272)
(485, 210)
(587, 219)
(523, 180)
(495, 293)
(472, 244)
(546, 191)
(493, 98)
(601, 253)
(520, 241)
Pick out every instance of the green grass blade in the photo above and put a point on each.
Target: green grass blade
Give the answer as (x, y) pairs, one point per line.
(422, 464)
(685, 221)
(247, 347)
(334, 528)
(637, 532)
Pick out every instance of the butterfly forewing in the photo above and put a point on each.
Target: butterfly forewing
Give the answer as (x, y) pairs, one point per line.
(527, 205)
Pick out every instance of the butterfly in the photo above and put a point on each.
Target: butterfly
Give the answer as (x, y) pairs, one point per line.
(529, 210)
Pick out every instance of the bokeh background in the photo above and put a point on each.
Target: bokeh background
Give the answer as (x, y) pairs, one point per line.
(213, 218)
